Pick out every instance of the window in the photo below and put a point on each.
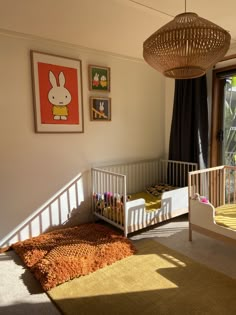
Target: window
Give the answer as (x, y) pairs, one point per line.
(223, 129)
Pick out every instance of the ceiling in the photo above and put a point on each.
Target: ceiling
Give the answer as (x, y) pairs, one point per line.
(117, 26)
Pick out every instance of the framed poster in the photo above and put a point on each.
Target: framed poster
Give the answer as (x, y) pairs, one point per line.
(57, 90)
(99, 78)
(100, 108)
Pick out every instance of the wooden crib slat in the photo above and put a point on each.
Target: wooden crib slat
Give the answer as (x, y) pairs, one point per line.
(234, 201)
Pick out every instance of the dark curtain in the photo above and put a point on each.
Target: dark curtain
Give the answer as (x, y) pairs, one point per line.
(189, 129)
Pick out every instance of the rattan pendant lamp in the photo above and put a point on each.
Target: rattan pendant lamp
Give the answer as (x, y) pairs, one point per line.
(186, 47)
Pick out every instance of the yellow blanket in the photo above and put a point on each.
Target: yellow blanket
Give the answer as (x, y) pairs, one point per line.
(151, 202)
(115, 213)
(226, 216)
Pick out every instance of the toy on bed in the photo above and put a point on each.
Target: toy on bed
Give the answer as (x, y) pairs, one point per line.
(135, 195)
(212, 205)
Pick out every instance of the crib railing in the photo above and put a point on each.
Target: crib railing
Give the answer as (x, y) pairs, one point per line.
(175, 173)
(109, 197)
(217, 184)
(230, 184)
(141, 174)
(138, 174)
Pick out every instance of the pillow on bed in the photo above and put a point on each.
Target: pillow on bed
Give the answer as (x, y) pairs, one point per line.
(158, 189)
(64, 254)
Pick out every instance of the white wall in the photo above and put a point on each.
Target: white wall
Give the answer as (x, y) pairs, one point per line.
(35, 166)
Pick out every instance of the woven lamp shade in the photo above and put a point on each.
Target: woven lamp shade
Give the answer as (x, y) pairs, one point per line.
(186, 47)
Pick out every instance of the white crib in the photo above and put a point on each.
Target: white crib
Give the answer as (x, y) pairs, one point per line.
(122, 180)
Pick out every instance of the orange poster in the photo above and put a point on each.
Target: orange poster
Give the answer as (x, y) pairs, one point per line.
(58, 89)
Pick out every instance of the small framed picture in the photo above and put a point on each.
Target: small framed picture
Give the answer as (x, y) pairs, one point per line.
(57, 90)
(100, 108)
(99, 78)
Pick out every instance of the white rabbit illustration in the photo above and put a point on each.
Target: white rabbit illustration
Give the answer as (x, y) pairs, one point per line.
(100, 110)
(59, 97)
(101, 107)
(96, 79)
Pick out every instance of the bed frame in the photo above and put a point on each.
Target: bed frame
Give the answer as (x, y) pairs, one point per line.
(218, 185)
(124, 179)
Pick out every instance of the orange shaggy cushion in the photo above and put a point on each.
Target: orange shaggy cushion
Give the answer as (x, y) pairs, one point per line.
(64, 254)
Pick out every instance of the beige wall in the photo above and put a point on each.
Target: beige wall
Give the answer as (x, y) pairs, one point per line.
(35, 166)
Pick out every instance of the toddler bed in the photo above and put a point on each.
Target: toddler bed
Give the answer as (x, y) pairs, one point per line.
(212, 204)
(132, 196)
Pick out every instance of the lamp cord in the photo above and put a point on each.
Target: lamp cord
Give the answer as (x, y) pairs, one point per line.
(185, 6)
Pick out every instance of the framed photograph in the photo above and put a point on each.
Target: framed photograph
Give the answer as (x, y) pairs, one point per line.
(100, 108)
(99, 78)
(57, 90)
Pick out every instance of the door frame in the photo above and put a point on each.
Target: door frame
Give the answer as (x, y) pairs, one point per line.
(217, 110)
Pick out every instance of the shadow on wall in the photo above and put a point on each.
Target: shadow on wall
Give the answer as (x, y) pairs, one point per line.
(68, 207)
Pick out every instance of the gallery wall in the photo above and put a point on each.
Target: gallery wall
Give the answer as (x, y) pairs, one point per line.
(34, 166)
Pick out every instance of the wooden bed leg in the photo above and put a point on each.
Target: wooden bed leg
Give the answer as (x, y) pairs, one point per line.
(190, 233)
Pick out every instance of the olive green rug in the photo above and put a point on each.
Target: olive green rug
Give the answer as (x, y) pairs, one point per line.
(156, 281)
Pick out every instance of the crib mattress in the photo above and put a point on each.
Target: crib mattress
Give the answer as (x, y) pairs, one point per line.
(226, 216)
(151, 202)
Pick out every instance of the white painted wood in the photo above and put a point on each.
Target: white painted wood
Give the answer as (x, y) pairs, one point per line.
(218, 184)
(127, 178)
(203, 215)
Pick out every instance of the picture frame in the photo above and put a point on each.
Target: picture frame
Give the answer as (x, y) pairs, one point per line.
(100, 108)
(57, 93)
(99, 78)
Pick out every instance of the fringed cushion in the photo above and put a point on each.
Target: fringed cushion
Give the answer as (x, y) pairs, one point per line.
(61, 255)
